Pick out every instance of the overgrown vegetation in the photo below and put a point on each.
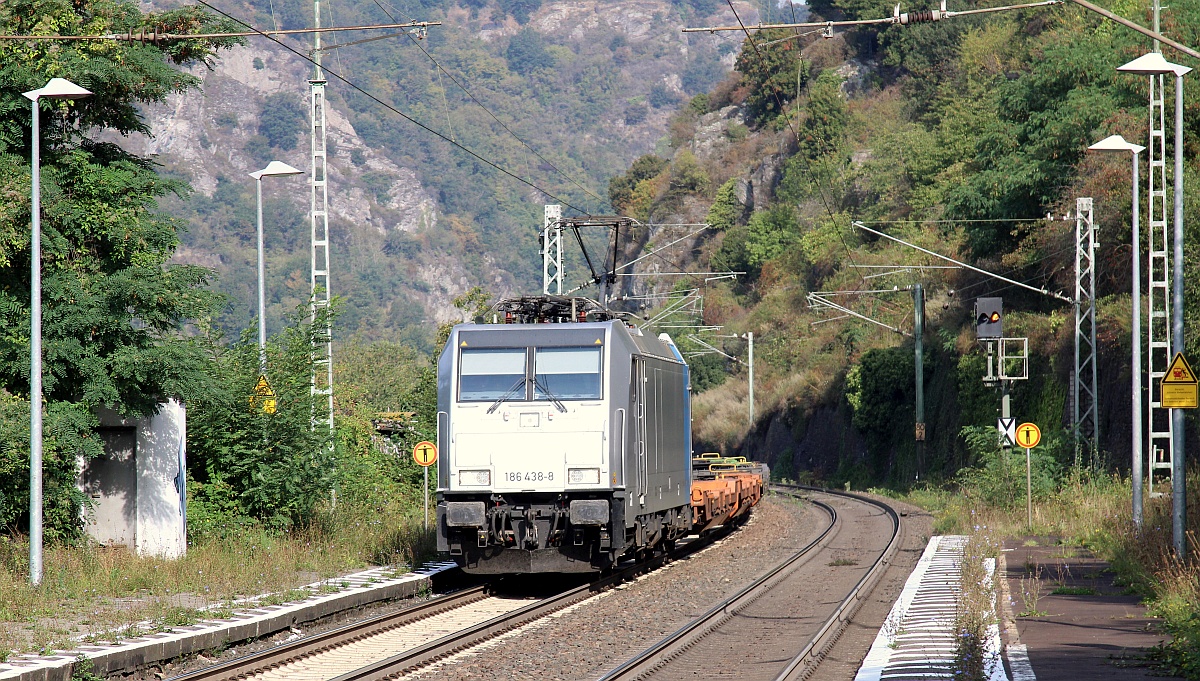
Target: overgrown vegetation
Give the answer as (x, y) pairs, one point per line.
(126, 329)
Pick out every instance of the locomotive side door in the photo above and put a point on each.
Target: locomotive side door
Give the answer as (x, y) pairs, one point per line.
(638, 401)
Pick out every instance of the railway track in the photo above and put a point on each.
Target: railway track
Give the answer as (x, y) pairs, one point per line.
(744, 636)
(389, 645)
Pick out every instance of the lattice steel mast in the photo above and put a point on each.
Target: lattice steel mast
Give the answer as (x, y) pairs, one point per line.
(321, 382)
(552, 260)
(1158, 321)
(1087, 425)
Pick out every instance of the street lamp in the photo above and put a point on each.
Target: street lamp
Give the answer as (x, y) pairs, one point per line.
(1116, 143)
(1153, 64)
(57, 88)
(749, 336)
(273, 168)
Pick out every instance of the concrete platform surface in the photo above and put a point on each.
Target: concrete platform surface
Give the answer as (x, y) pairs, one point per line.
(1077, 623)
(248, 622)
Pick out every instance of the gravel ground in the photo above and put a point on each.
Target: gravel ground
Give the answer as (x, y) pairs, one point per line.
(584, 640)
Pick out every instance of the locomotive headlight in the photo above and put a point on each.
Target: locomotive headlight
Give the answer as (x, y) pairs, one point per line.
(583, 476)
(475, 478)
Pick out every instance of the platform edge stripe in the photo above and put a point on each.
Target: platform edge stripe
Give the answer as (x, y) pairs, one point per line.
(879, 654)
(1018, 661)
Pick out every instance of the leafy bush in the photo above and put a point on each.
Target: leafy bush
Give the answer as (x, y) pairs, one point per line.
(661, 97)
(67, 435)
(273, 467)
(771, 80)
(766, 236)
(997, 477)
(520, 9)
(726, 211)
(282, 118)
(621, 187)
(527, 52)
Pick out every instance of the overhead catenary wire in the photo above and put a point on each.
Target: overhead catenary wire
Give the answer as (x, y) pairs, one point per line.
(896, 18)
(471, 152)
(152, 35)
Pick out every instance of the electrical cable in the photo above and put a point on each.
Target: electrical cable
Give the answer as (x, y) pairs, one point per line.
(481, 105)
(389, 107)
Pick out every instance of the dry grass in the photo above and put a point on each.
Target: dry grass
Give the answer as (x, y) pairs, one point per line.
(88, 591)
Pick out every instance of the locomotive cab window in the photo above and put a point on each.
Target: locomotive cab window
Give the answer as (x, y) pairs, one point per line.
(492, 373)
(566, 373)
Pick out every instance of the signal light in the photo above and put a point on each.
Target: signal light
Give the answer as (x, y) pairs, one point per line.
(989, 317)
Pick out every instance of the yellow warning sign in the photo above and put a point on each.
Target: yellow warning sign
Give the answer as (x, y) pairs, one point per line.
(425, 453)
(1028, 435)
(264, 397)
(1179, 385)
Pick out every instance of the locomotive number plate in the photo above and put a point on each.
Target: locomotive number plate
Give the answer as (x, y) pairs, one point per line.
(529, 476)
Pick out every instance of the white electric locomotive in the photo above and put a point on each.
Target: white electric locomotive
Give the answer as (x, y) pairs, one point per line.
(563, 446)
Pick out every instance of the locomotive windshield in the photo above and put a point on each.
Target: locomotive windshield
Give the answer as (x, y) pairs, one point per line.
(566, 373)
(492, 373)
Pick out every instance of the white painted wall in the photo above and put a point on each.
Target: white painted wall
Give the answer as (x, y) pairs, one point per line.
(159, 523)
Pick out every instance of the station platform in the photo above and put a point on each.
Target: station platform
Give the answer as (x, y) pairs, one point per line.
(1076, 624)
(248, 621)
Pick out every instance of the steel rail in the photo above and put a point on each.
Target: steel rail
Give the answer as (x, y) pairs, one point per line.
(661, 653)
(800, 665)
(317, 643)
(470, 637)
(676, 643)
(425, 654)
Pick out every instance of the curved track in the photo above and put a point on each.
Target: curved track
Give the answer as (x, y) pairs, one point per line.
(748, 636)
(387, 646)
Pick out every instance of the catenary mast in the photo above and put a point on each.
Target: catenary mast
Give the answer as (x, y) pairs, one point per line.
(321, 382)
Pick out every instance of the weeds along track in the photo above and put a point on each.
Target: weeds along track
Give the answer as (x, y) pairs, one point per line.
(801, 604)
(390, 645)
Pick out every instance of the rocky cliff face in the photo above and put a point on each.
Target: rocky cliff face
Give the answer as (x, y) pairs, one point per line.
(384, 201)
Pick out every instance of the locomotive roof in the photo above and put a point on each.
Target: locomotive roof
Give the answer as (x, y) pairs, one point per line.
(582, 333)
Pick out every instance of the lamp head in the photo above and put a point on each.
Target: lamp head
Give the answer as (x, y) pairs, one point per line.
(1116, 143)
(276, 168)
(58, 88)
(1153, 64)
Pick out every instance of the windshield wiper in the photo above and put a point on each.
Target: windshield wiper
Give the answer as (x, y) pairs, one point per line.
(549, 395)
(521, 382)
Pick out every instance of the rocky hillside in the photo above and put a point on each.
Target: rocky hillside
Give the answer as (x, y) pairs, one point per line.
(587, 85)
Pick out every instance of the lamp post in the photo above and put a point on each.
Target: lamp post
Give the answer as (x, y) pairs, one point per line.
(273, 168)
(749, 336)
(57, 88)
(1154, 64)
(1116, 143)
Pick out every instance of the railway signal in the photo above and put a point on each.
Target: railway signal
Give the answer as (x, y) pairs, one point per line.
(989, 317)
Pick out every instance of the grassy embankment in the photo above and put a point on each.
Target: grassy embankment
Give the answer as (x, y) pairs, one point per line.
(105, 595)
(1096, 513)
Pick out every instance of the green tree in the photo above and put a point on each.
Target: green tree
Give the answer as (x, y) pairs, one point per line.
(771, 74)
(113, 306)
(272, 468)
(527, 52)
(282, 118)
(726, 210)
(620, 187)
(766, 236)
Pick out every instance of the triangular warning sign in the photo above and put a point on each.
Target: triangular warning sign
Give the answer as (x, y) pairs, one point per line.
(263, 387)
(597, 342)
(1180, 372)
(462, 344)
